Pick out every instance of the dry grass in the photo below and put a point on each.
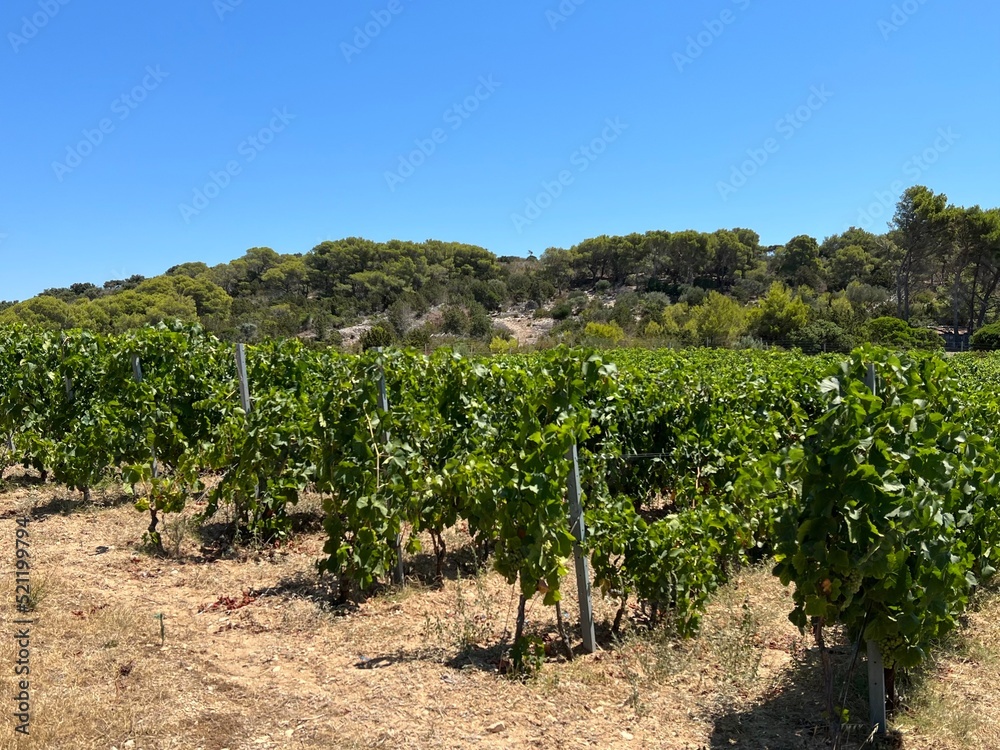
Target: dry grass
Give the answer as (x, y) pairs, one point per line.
(954, 705)
(407, 669)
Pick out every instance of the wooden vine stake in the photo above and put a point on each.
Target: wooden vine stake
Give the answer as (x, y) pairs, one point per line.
(578, 529)
(876, 667)
(398, 572)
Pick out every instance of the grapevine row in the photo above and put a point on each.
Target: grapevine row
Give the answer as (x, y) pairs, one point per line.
(880, 506)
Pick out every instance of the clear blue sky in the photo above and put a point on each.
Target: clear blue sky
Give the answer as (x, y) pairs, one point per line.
(70, 213)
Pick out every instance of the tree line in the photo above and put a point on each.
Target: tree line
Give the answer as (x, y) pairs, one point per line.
(938, 264)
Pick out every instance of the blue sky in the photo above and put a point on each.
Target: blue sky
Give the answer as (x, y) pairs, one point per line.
(134, 136)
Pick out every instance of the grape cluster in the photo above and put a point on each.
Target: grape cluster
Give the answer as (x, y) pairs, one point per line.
(891, 645)
(853, 583)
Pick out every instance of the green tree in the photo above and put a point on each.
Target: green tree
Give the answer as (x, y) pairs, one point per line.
(43, 311)
(851, 263)
(778, 315)
(720, 320)
(921, 225)
(797, 263)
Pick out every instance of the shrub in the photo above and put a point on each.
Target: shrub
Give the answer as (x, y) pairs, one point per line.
(455, 321)
(653, 330)
(418, 338)
(480, 325)
(503, 346)
(750, 342)
(503, 331)
(490, 294)
(822, 336)
(692, 295)
(562, 310)
(605, 333)
(603, 286)
(623, 315)
(378, 335)
(400, 317)
(987, 338)
(893, 332)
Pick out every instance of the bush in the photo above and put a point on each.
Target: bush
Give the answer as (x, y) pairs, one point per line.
(925, 338)
(603, 286)
(570, 327)
(623, 314)
(490, 294)
(822, 336)
(480, 325)
(653, 330)
(562, 311)
(378, 335)
(501, 345)
(418, 338)
(455, 321)
(598, 313)
(503, 331)
(653, 304)
(751, 342)
(893, 332)
(329, 336)
(604, 333)
(400, 317)
(987, 338)
(692, 295)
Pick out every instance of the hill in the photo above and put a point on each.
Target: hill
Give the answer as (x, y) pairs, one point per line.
(939, 265)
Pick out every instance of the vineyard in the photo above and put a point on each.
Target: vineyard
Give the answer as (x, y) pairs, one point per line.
(870, 480)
